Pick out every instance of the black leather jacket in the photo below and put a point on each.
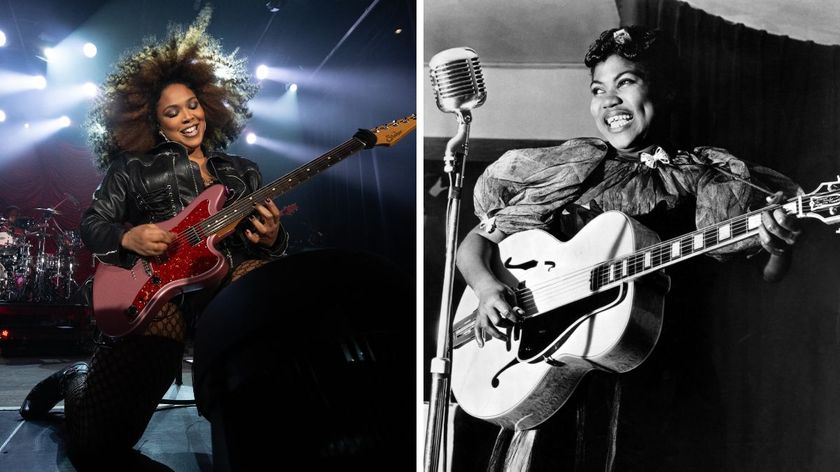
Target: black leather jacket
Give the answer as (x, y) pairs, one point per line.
(153, 187)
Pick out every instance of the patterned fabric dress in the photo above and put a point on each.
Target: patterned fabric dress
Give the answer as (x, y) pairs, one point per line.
(546, 188)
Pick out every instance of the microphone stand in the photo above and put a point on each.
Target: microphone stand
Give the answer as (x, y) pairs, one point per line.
(441, 365)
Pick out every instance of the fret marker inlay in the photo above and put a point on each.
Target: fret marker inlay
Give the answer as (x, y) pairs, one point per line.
(698, 241)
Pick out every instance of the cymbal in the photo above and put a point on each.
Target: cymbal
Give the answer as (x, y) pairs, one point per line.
(50, 210)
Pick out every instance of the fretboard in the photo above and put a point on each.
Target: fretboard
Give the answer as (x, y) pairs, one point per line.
(658, 256)
(245, 206)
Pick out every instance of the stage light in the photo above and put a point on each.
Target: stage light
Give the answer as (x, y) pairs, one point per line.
(2, 39)
(50, 54)
(2, 116)
(89, 49)
(398, 31)
(293, 87)
(39, 82)
(90, 89)
(262, 72)
(250, 138)
(5, 334)
(26, 125)
(274, 5)
(64, 121)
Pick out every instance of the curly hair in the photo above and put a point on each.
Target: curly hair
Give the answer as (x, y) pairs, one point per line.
(653, 50)
(123, 118)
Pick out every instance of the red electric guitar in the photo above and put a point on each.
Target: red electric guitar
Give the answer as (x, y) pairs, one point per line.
(585, 308)
(123, 299)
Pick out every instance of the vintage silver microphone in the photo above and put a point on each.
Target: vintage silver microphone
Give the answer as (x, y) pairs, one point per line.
(459, 87)
(457, 80)
(458, 84)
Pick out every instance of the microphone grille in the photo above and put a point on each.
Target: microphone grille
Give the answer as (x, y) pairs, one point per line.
(463, 77)
(457, 79)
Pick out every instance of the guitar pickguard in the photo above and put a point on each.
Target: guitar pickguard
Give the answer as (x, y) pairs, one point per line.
(541, 335)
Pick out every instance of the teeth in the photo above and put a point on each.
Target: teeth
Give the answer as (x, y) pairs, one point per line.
(190, 130)
(617, 121)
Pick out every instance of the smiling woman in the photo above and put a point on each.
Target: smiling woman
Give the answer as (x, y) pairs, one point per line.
(637, 170)
(160, 128)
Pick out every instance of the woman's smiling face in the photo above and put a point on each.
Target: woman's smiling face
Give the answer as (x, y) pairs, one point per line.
(181, 116)
(622, 104)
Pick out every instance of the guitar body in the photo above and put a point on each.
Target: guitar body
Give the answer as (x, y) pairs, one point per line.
(123, 300)
(573, 331)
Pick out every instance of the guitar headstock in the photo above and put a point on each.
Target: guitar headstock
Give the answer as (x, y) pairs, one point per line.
(823, 203)
(390, 133)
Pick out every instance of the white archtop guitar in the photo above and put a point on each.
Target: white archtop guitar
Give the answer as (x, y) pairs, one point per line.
(585, 308)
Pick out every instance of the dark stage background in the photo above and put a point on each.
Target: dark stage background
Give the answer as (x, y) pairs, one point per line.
(745, 369)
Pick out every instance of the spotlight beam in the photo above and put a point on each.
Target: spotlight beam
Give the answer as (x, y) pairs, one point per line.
(14, 82)
(346, 35)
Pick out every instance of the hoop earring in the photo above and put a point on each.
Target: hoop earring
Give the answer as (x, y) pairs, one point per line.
(160, 131)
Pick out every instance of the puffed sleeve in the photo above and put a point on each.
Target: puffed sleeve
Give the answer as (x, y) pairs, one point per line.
(720, 197)
(103, 223)
(523, 188)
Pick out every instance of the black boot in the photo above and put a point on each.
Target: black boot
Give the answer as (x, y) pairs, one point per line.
(49, 391)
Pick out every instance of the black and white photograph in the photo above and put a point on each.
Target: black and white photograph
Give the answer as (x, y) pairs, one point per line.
(594, 148)
(208, 235)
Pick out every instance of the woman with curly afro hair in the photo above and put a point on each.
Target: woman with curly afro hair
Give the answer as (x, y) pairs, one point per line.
(158, 131)
(636, 169)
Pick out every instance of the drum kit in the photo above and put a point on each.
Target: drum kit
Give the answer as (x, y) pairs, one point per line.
(37, 259)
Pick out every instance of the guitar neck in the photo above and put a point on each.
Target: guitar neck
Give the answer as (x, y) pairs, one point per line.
(228, 217)
(658, 256)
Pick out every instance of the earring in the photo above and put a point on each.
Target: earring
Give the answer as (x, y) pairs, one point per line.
(160, 131)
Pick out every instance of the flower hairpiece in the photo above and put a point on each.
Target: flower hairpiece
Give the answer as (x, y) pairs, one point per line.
(621, 36)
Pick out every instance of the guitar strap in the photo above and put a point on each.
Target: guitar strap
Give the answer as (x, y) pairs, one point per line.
(739, 178)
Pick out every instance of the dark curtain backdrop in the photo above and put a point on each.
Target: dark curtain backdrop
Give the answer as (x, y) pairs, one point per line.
(41, 177)
(759, 359)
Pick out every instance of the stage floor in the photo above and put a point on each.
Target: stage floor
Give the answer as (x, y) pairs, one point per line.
(177, 438)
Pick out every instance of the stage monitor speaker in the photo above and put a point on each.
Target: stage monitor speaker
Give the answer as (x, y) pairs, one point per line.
(311, 359)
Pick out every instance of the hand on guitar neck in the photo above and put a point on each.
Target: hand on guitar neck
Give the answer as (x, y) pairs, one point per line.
(266, 224)
(778, 234)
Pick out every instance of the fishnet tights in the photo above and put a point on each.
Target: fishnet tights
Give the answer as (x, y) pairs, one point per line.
(109, 408)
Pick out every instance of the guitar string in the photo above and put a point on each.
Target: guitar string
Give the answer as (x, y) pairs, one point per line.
(211, 225)
(556, 290)
(293, 178)
(572, 282)
(660, 248)
(221, 222)
(739, 226)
